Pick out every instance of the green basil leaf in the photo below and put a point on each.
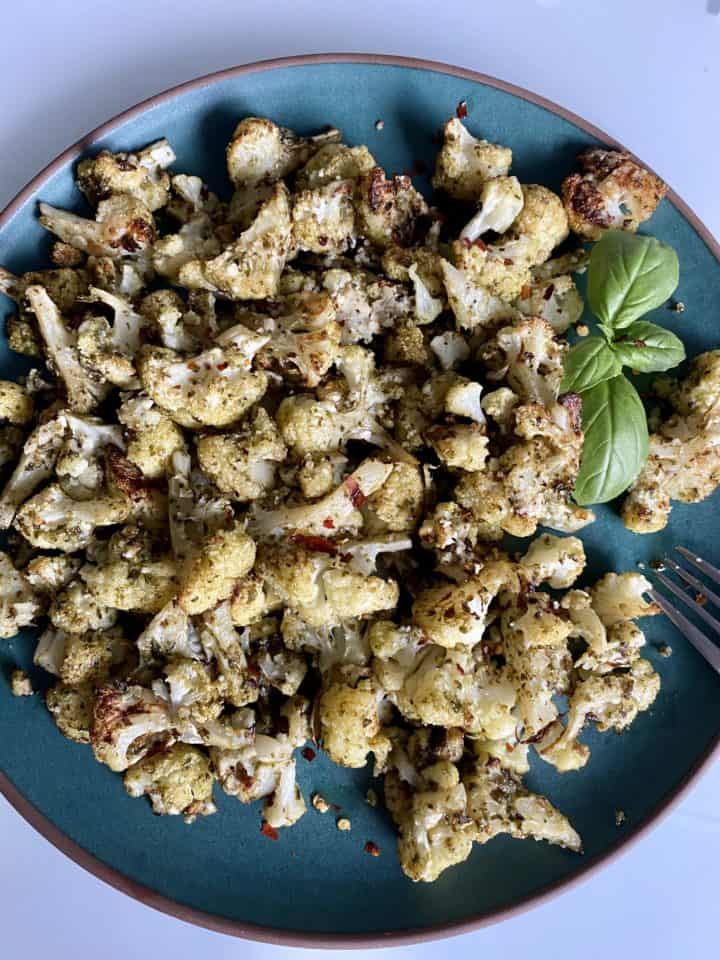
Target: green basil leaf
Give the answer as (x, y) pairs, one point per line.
(588, 363)
(616, 441)
(628, 275)
(649, 348)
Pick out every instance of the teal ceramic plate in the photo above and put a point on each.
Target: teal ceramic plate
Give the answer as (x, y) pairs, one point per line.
(315, 886)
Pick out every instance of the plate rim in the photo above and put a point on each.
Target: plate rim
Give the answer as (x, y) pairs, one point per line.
(298, 938)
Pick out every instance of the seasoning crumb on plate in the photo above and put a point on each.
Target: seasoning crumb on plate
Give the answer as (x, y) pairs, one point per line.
(372, 848)
(665, 651)
(342, 823)
(20, 684)
(379, 124)
(371, 797)
(582, 330)
(320, 803)
(620, 818)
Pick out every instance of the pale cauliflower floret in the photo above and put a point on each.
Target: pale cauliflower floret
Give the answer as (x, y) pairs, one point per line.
(556, 301)
(141, 175)
(586, 624)
(460, 446)
(76, 609)
(619, 596)
(142, 585)
(196, 239)
(365, 303)
(333, 162)
(250, 267)
(152, 436)
(53, 521)
(221, 641)
(455, 615)
(16, 404)
(530, 357)
(557, 561)
(72, 710)
(465, 163)
(262, 152)
(452, 532)
(451, 348)
(213, 388)
(90, 657)
(389, 211)
(500, 406)
(18, 604)
(625, 640)
(612, 192)
(501, 200)
(223, 559)
(123, 226)
(108, 351)
(319, 473)
(170, 633)
(351, 594)
(195, 507)
(397, 505)
(350, 725)
(48, 575)
(178, 780)
(323, 218)
(427, 306)
(243, 463)
(128, 721)
(463, 400)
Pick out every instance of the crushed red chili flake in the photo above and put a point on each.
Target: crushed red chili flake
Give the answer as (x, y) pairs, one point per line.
(329, 523)
(479, 243)
(466, 243)
(313, 542)
(461, 110)
(268, 831)
(372, 848)
(308, 753)
(525, 292)
(507, 262)
(223, 366)
(192, 365)
(357, 497)
(700, 599)
(549, 291)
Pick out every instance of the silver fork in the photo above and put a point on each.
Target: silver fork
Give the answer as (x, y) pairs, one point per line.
(695, 600)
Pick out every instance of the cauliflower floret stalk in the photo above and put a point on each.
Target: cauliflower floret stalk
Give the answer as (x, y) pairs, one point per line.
(243, 463)
(498, 802)
(170, 633)
(222, 643)
(250, 267)
(35, 465)
(18, 604)
(84, 388)
(350, 726)
(304, 341)
(51, 520)
(612, 192)
(195, 508)
(79, 466)
(178, 780)
(129, 721)
(213, 388)
(123, 227)
(109, 350)
(464, 163)
(621, 596)
(196, 239)
(141, 175)
(331, 515)
(333, 647)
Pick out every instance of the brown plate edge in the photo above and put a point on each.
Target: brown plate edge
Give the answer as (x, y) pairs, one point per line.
(300, 938)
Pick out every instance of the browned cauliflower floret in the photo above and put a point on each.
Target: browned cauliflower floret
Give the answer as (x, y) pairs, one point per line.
(128, 722)
(72, 710)
(323, 218)
(18, 604)
(557, 561)
(465, 163)
(152, 436)
(612, 192)
(210, 575)
(178, 780)
(619, 596)
(556, 301)
(16, 404)
(349, 723)
(262, 152)
(397, 505)
(390, 211)
(51, 520)
(140, 585)
(141, 175)
(250, 267)
(123, 226)
(48, 575)
(334, 162)
(77, 610)
(243, 463)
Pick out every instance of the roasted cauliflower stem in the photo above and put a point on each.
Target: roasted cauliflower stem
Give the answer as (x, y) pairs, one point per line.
(257, 493)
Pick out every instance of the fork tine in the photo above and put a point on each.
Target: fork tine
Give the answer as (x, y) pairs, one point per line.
(693, 581)
(703, 566)
(686, 598)
(696, 637)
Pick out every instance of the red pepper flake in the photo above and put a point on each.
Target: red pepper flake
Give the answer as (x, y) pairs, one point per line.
(480, 244)
(329, 523)
(357, 497)
(223, 366)
(192, 365)
(461, 110)
(700, 599)
(460, 669)
(466, 243)
(549, 291)
(312, 542)
(508, 262)
(525, 292)
(309, 754)
(268, 831)
(372, 848)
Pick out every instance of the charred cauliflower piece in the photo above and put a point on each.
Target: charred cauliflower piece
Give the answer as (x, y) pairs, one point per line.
(18, 604)
(464, 163)
(123, 226)
(390, 211)
(141, 175)
(72, 710)
(612, 192)
(128, 722)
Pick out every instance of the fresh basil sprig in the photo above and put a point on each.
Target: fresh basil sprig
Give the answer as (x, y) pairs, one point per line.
(628, 275)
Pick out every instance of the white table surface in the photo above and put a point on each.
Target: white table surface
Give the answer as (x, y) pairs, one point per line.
(648, 72)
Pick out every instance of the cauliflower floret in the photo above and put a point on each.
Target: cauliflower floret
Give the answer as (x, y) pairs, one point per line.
(128, 722)
(18, 604)
(210, 575)
(350, 725)
(501, 200)
(262, 152)
(178, 780)
(141, 175)
(334, 162)
(465, 163)
(170, 633)
(79, 467)
(243, 463)
(53, 521)
(109, 351)
(221, 641)
(90, 657)
(390, 211)
(196, 508)
(142, 585)
(84, 388)
(530, 357)
(453, 534)
(619, 596)
(556, 301)
(250, 267)
(213, 388)
(397, 506)
(500, 406)
(123, 226)
(323, 218)
(451, 349)
(72, 710)
(365, 303)
(48, 575)
(474, 307)
(624, 642)
(35, 465)
(196, 239)
(460, 446)
(77, 610)
(152, 436)
(557, 561)
(193, 696)
(16, 404)
(612, 192)
(65, 287)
